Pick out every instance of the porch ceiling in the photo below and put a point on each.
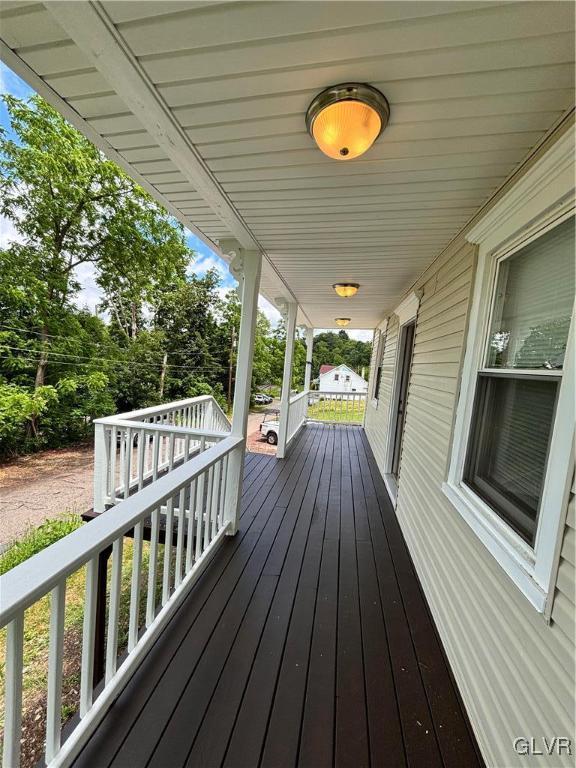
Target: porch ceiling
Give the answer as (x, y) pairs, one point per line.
(204, 103)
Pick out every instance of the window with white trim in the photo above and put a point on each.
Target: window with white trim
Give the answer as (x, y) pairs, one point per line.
(512, 458)
(520, 377)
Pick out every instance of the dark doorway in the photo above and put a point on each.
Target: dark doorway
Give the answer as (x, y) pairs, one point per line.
(405, 362)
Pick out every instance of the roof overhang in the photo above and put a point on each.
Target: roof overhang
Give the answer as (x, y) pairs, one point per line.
(203, 103)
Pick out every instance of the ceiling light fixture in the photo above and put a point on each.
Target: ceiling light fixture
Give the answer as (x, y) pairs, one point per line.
(346, 119)
(346, 289)
(342, 321)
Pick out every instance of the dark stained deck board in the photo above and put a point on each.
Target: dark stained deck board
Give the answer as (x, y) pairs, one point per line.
(307, 641)
(452, 727)
(228, 602)
(283, 734)
(192, 707)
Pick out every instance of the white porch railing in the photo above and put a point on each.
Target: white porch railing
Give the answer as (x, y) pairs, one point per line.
(327, 407)
(296, 415)
(133, 448)
(199, 500)
(337, 407)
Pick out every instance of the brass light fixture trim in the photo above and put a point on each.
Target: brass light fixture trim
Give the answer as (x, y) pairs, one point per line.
(346, 290)
(346, 119)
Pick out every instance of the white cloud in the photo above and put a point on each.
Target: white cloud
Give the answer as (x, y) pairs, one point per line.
(355, 334)
(361, 335)
(8, 233)
(204, 263)
(90, 293)
(270, 311)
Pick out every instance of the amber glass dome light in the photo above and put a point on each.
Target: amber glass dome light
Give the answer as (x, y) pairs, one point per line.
(346, 289)
(342, 321)
(346, 119)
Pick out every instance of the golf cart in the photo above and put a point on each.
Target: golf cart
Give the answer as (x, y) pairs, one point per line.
(270, 425)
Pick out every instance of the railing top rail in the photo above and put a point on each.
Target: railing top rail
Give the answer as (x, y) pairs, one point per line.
(156, 410)
(299, 396)
(211, 434)
(217, 407)
(28, 582)
(336, 392)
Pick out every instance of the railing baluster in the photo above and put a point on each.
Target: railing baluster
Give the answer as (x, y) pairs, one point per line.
(208, 506)
(155, 454)
(55, 663)
(114, 609)
(134, 621)
(87, 664)
(215, 499)
(121, 476)
(141, 457)
(152, 558)
(127, 462)
(190, 528)
(13, 692)
(167, 549)
(200, 513)
(180, 537)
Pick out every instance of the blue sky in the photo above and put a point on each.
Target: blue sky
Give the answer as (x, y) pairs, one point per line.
(90, 293)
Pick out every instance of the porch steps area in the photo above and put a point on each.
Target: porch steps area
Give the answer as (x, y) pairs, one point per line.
(307, 641)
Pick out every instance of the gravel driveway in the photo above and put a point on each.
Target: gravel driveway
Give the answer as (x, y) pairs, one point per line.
(43, 485)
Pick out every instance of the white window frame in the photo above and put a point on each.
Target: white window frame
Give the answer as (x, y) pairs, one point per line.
(542, 200)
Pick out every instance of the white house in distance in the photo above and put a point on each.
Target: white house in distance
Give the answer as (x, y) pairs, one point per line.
(340, 378)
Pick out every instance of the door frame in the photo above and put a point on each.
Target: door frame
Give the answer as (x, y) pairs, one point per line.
(407, 313)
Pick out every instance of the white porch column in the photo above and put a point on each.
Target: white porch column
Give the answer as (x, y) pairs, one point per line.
(246, 267)
(292, 310)
(309, 350)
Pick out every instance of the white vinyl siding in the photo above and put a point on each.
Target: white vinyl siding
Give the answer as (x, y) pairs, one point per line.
(515, 672)
(563, 610)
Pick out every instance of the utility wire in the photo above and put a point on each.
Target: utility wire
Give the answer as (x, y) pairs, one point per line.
(95, 362)
(66, 338)
(32, 354)
(28, 351)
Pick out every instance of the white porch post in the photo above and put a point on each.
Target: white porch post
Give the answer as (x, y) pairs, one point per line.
(309, 350)
(287, 379)
(246, 267)
(101, 464)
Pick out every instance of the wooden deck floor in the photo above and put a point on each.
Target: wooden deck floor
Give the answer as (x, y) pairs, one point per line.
(307, 642)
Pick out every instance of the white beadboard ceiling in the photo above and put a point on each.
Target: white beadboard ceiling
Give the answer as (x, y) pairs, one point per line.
(204, 103)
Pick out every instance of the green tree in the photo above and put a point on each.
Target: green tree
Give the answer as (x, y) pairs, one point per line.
(336, 348)
(70, 206)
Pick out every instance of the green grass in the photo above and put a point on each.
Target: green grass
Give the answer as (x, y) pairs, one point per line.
(36, 630)
(37, 539)
(347, 412)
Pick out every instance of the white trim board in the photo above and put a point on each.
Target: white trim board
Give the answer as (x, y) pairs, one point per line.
(408, 307)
